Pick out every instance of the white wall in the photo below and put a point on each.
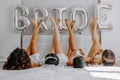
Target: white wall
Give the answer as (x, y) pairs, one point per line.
(8, 38)
(111, 39)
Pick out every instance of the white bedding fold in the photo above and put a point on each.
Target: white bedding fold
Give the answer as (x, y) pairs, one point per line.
(105, 72)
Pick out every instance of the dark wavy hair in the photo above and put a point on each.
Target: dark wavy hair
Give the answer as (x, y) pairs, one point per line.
(79, 62)
(17, 60)
(108, 58)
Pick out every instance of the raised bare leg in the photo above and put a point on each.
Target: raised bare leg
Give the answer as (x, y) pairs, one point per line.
(75, 59)
(72, 42)
(53, 48)
(56, 37)
(59, 56)
(96, 46)
(33, 48)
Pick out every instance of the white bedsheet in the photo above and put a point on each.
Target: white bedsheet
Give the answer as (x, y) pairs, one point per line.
(52, 72)
(46, 73)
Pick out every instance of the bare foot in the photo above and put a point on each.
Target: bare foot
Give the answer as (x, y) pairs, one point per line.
(93, 23)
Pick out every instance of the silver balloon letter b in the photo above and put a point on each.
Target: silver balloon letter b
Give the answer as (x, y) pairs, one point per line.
(21, 20)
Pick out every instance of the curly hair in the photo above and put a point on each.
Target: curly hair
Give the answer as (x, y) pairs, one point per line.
(17, 60)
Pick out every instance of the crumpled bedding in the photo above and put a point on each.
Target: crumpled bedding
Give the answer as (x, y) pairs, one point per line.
(49, 72)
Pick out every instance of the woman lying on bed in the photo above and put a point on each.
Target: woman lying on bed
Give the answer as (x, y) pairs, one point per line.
(74, 54)
(56, 57)
(21, 59)
(73, 57)
(96, 54)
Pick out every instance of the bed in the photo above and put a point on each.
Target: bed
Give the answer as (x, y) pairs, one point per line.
(51, 72)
